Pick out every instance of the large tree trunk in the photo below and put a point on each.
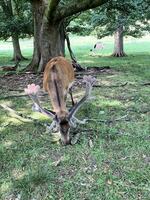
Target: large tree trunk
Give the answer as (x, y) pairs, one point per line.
(49, 38)
(118, 43)
(17, 55)
(37, 9)
(51, 42)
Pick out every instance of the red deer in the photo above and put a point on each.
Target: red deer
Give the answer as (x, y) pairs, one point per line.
(58, 78)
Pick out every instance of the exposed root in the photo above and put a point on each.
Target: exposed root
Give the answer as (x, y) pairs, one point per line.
(119, 54)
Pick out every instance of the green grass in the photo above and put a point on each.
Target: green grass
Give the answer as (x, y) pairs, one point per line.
(81, 46)
(117, 167)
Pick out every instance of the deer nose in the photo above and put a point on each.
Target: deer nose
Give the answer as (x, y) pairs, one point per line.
(65, 140)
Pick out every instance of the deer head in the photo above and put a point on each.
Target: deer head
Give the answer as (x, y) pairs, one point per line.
(63, 120)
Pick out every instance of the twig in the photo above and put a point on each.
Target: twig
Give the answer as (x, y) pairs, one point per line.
(145, 84)
(86, 73)
(122, 85)
(14, 90)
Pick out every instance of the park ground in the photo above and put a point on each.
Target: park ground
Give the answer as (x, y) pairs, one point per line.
(111, 159)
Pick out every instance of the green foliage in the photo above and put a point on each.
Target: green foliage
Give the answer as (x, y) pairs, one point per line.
(15, 18)
(131, 14)
(80, 24)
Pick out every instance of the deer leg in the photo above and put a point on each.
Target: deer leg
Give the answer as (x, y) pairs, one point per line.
(70, 92)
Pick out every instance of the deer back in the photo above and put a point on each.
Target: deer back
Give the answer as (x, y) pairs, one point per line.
(58, 76)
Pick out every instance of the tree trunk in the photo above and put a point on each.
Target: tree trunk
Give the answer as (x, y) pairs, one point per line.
(118, 45)
(52, 42)
(17, 56)
(37, 10)
(49, 38)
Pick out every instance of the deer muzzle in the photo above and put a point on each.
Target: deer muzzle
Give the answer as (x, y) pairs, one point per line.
(65, 132)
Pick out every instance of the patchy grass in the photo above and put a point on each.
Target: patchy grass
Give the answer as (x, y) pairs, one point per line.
(111, 160)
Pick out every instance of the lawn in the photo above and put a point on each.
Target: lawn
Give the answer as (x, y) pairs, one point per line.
(110, 161)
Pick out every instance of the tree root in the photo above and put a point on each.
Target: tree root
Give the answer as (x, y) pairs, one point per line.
(119, 54)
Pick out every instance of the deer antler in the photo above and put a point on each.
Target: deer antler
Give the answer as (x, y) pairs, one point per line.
(89, 80)
(32, 90)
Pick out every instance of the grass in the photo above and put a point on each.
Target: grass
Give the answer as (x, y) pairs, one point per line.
(116, 166)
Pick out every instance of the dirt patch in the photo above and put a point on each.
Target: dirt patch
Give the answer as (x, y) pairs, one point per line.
(20, 81)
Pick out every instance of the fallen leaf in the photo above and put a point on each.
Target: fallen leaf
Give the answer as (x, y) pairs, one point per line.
(57, 162)
(91, 145)
(109, 182)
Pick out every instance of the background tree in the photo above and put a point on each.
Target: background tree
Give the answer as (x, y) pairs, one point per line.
(121, 18)
(15, 22)
(49, 37)
(80, 24)
(118, 18)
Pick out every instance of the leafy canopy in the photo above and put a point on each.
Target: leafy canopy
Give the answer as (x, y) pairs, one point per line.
(15, 18)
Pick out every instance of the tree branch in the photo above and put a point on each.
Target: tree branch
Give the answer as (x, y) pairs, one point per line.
(76, 6)
(52, 6)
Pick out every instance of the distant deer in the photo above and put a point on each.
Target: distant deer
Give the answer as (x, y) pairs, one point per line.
(58, 78)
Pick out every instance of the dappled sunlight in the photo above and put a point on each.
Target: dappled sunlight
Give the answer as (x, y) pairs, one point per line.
(38, 116)
(113, 103)
(18, 174)
(105, 82)
(79, 94)
(113, 75)
(33, 114)
(86, 61)
(5, 187)
(6, 103)
(8, 120)
(8, 143)
(101, 102)
(15, 120)
(12, 117)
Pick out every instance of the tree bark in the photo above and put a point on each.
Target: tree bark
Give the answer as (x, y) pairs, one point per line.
(17, 55)
(51, 42)
(118, 43)
(49, 38)
(49, 35)
(37, 10)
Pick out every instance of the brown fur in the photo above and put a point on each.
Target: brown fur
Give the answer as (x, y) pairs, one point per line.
(58, 75)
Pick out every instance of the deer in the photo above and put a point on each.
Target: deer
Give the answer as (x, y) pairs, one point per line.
(57, 82)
